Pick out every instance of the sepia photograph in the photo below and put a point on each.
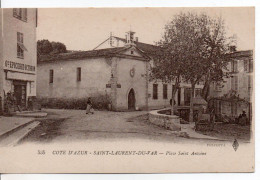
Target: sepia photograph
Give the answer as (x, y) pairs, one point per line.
(127, 90)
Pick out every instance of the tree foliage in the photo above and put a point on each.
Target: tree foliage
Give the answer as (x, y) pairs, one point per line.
(45, 47)
(58, 47)
(193, 48)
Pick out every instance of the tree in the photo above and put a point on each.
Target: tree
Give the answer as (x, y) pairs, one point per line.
(167, 67)
(219, 46)
(194, 48)
(45, 47)
(172, 56)
(58, 48)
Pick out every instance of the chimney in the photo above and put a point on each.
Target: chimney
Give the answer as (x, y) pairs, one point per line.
(130, 37)
(136, 39)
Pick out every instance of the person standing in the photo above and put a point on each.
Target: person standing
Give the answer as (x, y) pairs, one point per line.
(89, 108)
(243, 119)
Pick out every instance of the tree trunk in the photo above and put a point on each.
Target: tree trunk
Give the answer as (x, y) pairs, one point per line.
(173, 106)
(205, 90)
(191, 102)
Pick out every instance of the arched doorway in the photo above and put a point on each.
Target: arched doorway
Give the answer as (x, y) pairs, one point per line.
(131, 100)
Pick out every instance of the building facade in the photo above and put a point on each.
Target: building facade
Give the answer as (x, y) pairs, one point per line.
(18, 54)
(159, 93)
(238, 84)
(119, 72)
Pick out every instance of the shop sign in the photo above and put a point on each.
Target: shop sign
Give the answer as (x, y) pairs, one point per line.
(19, 66)
(109, 85)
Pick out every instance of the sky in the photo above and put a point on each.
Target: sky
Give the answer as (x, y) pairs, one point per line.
(85, 28)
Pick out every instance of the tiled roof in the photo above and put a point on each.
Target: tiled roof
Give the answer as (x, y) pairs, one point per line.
(148, 49)
(237, 54)
(80, 54)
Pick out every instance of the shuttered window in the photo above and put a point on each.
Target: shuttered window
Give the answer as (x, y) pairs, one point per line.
(234, 83)
(51, 76)
(234, 66)
(155, 91)
(246, 65)
(20, 46)
(165, 95)
(20, 13)
(78, 74)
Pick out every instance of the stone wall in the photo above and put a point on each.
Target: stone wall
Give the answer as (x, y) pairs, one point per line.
(171, 122)
(95, 74)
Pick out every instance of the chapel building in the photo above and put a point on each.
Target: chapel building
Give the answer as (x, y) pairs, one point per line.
(118, 69)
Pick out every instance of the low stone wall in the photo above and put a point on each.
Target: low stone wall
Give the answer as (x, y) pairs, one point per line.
(171, 122)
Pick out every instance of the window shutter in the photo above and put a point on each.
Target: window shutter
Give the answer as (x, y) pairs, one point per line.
(236, 83)
(235, 66)
(19, 37)
(246, 65)
(249, 86)
(251, 67)
(14, 11)
(24, 14)
(19, 13)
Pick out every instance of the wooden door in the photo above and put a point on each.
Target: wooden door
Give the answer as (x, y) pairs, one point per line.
(131, 100)
(20, 94)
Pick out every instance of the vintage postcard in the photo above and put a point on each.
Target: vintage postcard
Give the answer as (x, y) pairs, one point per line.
(127, 90)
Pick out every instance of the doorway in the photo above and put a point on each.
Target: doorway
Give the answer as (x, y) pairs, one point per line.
(20, 93)
(131, 100)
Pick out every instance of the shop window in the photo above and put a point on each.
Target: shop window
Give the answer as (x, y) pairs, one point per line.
(51, 76)
(165, 95)
(78, 74)
(20, 45)
(155, 91)
(20, 13)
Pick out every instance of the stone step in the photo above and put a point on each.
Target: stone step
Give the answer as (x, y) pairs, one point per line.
(31, 114)
(14, 138)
